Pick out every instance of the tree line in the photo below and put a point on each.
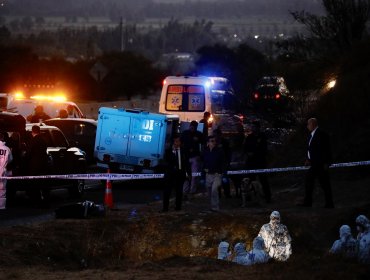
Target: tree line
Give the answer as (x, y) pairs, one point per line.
(139, 9)
(305, 62)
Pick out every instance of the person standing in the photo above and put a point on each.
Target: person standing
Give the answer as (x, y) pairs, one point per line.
(39, 115)
(205, 122)
(37, 153)
(214, 167)
(224, 144)
(63, 114)
(318, 159)
(5, 158)
(37, 164)
(192, 140)
(255, 149)
(71, 112)
(177, 168)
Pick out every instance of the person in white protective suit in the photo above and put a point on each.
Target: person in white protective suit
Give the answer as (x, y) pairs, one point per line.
(363, 239)
(276, 237)
(240, 254)
(258, 253)
(223, 251)
(346, 245)
(5, 158)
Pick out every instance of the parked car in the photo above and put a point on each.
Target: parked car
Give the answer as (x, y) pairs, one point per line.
(79, 132)
(62, 159)
(271, 92)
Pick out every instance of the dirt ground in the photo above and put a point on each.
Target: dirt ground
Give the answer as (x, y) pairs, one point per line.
(147, 244)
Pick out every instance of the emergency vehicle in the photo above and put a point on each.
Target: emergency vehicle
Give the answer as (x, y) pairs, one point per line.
(191, 96)
(23, 99)
(25, 106)
(132, 139)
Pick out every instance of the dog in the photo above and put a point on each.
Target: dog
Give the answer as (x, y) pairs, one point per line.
(250, 191)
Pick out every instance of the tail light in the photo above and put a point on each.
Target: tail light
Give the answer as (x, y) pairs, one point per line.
(106, 158)
(146, 163)
(277, 95)
(256, 95)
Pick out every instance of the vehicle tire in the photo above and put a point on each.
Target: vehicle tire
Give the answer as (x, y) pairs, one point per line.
(78, 188)
(40, 197)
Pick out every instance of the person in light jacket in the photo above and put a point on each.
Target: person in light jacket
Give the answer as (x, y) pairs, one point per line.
(346, 245)
(363, 238)
(240, 254)
(258, 253)
(223, 251)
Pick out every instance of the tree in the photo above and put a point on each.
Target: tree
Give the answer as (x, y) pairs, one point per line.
(26, 23)
(129, 74)
(243, 66)
(39, 21)
(4, 34)
(344, 22)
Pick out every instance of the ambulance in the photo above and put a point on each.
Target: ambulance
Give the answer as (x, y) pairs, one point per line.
(190, 96)
(132, 140)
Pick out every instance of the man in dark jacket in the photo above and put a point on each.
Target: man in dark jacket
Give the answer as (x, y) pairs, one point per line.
(39, 115)
(255, 148)
(224, 144)
(319, 159)
(214, 166)
(37, 164)
(192, 140)
(177, 168)
(37, 153)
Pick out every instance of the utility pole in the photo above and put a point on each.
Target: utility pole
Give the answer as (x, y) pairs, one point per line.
(121, 34)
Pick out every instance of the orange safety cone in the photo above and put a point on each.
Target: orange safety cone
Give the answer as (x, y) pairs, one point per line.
(108, 198)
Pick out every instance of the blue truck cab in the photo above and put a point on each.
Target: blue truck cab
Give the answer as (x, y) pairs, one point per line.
(132, 139)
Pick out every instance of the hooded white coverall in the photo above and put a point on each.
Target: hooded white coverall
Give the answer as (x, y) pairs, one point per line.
(363, 238)
(5, 157)
(241, 255)
(276, 237)
(258, 254)
(346, 245)
(223, 251)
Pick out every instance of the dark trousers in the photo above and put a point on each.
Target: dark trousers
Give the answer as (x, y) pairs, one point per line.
(322, 174)
(264, 183)
(262, 177)
(174, 181)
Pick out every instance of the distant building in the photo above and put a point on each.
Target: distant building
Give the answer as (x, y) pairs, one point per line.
(177, 62)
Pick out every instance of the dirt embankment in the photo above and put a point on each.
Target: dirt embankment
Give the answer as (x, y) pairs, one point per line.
(183, 245)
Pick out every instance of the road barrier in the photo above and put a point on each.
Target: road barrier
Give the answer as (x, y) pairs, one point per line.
(120, 177)
(108, 197)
